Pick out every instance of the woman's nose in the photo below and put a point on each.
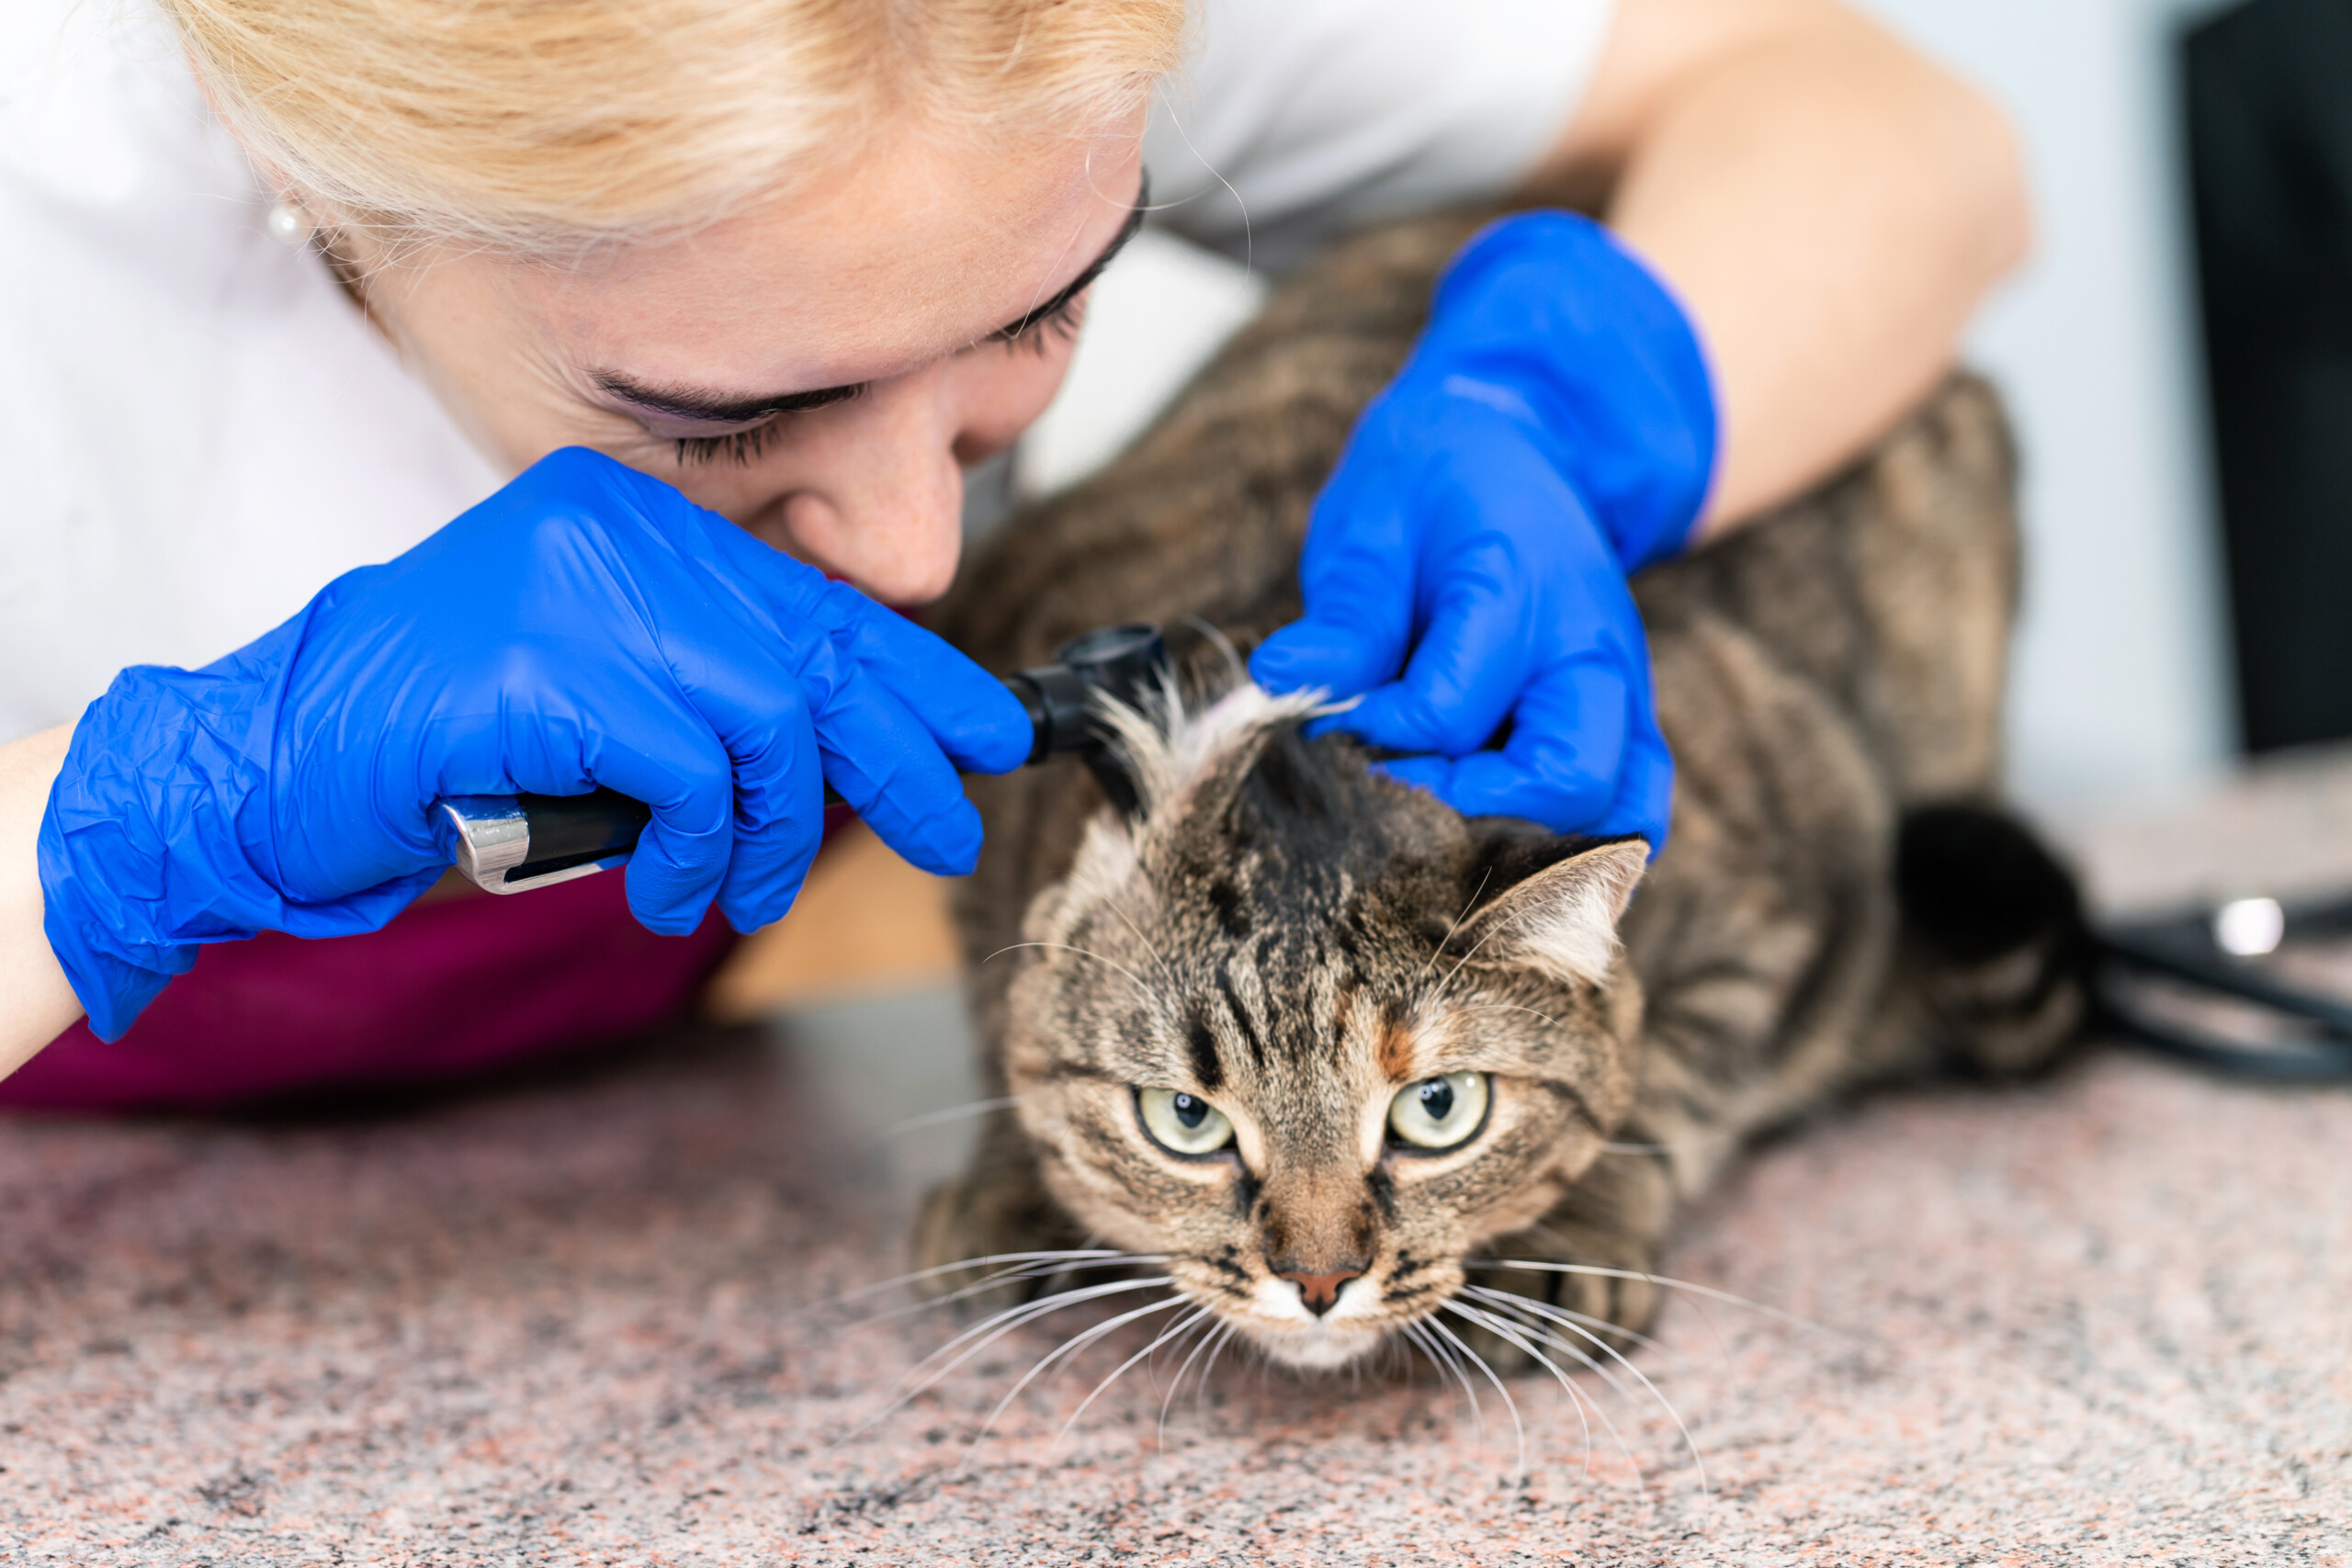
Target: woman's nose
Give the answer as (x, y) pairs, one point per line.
(880, 498)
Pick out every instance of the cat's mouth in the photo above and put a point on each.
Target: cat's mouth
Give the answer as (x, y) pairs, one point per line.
(1274, 1315)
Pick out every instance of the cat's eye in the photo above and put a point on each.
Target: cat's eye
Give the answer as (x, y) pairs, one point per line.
(1439, 1113)
(1183, 1124)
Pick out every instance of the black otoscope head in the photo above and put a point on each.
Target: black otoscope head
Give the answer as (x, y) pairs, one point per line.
(1126, 662)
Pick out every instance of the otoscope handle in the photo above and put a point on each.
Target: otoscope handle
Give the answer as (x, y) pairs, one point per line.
(512, 843)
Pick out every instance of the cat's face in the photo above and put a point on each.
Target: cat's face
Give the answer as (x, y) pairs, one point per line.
(1312, 1035)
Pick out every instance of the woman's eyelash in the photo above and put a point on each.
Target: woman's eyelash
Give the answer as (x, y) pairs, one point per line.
(744, 445)
(741, 446)
(1057, 324)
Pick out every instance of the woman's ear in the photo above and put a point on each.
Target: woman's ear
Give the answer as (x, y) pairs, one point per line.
(1560, 918)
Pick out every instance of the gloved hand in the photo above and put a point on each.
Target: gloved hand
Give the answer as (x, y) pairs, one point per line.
(585, 625)
(1553, 431)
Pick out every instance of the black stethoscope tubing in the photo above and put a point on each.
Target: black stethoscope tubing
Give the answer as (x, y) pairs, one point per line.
(2183, 950)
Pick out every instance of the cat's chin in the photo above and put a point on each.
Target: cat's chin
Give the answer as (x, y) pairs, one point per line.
(1316, 1347)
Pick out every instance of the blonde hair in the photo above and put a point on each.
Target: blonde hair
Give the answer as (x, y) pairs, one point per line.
(541, 125)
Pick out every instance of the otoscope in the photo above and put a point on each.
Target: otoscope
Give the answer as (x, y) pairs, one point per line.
(512, 843)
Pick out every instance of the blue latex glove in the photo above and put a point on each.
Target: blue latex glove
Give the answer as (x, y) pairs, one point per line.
(585, 625)
(1554, 431)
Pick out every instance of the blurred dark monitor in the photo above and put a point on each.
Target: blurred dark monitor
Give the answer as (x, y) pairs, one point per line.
(2269, 87)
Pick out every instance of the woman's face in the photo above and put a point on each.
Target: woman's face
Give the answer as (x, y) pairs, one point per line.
(818, 369)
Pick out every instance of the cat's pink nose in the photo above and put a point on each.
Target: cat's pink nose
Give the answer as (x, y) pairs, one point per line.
(1321, 1291)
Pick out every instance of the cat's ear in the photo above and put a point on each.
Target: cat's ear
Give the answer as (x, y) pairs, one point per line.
(1558, 917)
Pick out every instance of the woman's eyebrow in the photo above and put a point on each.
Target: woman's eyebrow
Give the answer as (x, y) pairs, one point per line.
(684, 402)
(1078, 285)
(688, 402)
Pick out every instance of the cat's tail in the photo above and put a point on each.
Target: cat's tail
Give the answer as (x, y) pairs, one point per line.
(1995, 945)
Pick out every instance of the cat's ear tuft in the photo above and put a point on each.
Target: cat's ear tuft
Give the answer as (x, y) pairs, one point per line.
(1560, 917)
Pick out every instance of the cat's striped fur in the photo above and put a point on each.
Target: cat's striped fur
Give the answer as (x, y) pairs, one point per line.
(1292, 937)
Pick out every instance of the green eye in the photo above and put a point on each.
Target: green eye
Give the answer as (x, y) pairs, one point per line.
(1183, 1124)
(1438, 1113)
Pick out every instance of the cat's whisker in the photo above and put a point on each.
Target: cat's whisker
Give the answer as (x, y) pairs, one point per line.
(924, 1375)
(1002, 1277)
(1469, 904)
(1446, 985)
(1024, 1266)
(1214, 1337)
(953, 1114)
(1708, 1290)
(1518, 1466)
(1505, 1300)
(1104, 1254)
(1183, 1325)
(1665, 1404)
(1532, 1012)
(1640, 1341)
(1444, 1361)
(1201, 1388)
(1148, 994)
(1577, 1397)
(1165, 973)
(1698, 1306)
(1070, 1346)
(988, 1329)
(1201, 1321)
(1236, 668)
(1583, 1357)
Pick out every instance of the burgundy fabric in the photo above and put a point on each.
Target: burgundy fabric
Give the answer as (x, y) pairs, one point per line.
(452, 986)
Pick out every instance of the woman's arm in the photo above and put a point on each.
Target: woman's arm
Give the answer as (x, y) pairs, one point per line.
(34, 1001)
(1830, 206)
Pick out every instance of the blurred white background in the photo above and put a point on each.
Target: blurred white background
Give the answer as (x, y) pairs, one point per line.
(2123, 693)
(2123, 673)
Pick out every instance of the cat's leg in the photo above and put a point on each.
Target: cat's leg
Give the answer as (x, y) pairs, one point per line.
(998, 1206)
(1584, 1284)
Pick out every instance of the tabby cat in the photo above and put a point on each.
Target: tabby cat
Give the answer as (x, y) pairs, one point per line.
(1334, 1051)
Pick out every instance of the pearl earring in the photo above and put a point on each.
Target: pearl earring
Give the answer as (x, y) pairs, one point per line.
(291, 226)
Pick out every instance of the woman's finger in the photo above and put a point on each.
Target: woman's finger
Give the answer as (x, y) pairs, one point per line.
(888, 769)
(968, 712)
(1356, 577)
(1645, 790)
(1467, 674)
(1562, 765)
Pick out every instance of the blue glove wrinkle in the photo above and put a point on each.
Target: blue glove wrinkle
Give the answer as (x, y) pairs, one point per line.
(585, 625)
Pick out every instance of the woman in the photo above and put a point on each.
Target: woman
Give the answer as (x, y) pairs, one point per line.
(713, 299)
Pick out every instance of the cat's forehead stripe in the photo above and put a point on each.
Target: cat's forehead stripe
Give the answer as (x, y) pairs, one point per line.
(1397, 1050)
(1242, 1022)
(1208, 1067)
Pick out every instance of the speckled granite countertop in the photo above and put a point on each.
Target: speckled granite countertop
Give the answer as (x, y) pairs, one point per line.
(2107, 1319)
